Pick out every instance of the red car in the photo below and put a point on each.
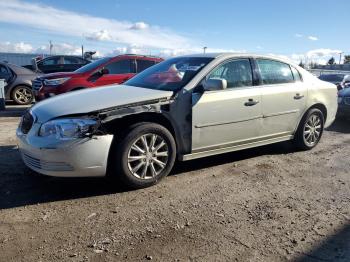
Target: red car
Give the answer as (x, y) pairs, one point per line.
(105, 71)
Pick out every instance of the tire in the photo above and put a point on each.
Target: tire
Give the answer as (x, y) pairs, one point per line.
(137, 162)
(22, 95)
(310, 129)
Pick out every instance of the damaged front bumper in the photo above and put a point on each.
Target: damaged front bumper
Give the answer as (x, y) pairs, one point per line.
(81, 157)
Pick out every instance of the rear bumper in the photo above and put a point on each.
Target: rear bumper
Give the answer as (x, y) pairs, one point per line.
(85, 157)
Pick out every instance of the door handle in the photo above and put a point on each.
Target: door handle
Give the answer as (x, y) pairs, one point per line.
(298, 96)
(251, 102)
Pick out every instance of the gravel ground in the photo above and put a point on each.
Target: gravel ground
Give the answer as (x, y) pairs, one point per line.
(264, 204)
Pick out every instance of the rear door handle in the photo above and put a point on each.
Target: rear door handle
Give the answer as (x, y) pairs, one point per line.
(298, 96)
(251, 102)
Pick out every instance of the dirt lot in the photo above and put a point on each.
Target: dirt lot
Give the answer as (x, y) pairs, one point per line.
(265, 204)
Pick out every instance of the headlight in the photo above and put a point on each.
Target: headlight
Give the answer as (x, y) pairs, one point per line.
(68, 128)
(56, 81)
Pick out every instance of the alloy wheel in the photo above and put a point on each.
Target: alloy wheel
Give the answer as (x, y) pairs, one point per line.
(23, 95)
(312, 129)
(148, 156)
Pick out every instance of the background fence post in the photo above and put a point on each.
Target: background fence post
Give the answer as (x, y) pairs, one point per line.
(2, 94)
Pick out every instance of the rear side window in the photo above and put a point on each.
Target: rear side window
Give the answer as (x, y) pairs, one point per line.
(296, 75)
(51, 61)
(274, 72)
(144, 64)
(120, 67)
(237, 73)
(71, 60)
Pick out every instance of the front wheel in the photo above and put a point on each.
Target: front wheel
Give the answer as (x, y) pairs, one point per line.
(310, 129)
(22, 95)
(145, 155)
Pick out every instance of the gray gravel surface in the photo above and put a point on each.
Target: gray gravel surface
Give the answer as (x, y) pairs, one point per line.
(265, 204)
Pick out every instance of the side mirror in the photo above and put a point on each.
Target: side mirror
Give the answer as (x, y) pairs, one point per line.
(104, 71)
(214, 84)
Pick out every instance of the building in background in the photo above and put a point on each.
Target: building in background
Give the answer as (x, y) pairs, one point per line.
(19, 58)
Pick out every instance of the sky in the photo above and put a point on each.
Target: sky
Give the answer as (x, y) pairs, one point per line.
(298, 30)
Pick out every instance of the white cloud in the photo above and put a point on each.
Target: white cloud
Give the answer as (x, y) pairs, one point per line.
(139, 26)
(321, 52)
(59, 48)
(312, 38)
(75, 24)
(102, 35)
(298, 35)
(20, 47)
(320, 56)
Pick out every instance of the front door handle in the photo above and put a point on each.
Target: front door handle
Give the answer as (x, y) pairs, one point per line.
(251, 102)
(298, 96)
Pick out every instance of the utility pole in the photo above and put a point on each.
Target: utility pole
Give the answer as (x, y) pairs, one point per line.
(82, 51)
(204, 49)
(51, 46)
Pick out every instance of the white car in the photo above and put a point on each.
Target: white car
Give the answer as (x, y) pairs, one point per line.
(185, 107)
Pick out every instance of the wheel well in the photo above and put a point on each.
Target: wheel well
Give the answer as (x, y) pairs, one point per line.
(322, 108)
(124, 122)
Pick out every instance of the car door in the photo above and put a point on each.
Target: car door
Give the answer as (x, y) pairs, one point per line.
(51, 65)
(118, 72)
(228, 117)
(283, 97)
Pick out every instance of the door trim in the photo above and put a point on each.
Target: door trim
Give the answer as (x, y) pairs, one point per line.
(227, 123)
(282, 113)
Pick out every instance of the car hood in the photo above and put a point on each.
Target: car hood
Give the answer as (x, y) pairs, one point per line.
(58, 75)
(344, 92)
(94, 99)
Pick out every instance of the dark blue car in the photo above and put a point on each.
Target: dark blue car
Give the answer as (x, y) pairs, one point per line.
(344, 102)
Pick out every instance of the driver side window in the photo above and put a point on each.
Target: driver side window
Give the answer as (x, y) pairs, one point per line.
(237, 73)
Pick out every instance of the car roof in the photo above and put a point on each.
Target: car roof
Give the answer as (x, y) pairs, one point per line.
(18, 69)
(139, 56)
(233, 55)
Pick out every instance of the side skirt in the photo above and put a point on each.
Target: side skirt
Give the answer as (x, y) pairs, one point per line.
(234, 148)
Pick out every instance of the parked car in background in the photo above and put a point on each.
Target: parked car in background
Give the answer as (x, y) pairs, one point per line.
(59, 63)
(18, 86)
(340, 80)
(344, 103)
(105, 71)
(185, 107)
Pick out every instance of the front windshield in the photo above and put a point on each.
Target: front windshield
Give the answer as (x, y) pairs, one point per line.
(170, 75)
(92, 66)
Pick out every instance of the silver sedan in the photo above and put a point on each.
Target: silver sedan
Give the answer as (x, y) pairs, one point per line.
(185, 107)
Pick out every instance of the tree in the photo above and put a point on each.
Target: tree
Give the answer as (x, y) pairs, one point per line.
(347, 59)
(301, 64)
(331, 61)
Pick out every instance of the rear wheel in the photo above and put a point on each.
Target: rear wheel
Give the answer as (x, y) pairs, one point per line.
(145, 155)
(22, 95)
(310, 129)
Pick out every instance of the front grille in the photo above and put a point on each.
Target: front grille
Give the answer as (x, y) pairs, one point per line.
(27, 122)
(347, 100)
(37, 84)
(45, 165)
